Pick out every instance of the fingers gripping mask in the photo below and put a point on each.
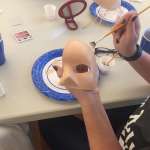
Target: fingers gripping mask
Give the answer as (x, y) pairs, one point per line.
(79, 68)
(109, 4)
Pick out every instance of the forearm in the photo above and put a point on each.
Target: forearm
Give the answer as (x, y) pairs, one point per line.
(142, 66)
(99, 130)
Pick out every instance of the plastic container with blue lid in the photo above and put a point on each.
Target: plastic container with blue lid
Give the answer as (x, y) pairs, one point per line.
(2, 54)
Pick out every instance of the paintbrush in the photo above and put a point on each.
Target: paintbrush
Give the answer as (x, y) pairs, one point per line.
(118, 27)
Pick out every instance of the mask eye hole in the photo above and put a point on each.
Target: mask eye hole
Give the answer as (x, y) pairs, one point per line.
(82, 68)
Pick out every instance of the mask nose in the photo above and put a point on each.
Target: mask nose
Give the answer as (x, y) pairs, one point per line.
(69, 80)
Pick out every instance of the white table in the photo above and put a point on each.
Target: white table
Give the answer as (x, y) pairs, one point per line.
(23, 102)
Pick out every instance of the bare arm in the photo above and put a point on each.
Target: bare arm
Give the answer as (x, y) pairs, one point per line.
(99, 130)
(98, 127)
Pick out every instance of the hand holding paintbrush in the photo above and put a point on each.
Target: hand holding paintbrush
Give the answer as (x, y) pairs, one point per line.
(125, 39)
(118, 27)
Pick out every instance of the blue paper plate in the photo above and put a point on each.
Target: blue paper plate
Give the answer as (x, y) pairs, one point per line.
(45, 78)
(124, 4)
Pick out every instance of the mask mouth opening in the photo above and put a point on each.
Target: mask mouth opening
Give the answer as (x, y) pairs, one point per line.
(82, 68)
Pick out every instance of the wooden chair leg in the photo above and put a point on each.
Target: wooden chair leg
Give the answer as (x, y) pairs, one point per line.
(37, 139)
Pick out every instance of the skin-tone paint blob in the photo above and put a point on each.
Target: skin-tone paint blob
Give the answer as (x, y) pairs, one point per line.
(109, 4)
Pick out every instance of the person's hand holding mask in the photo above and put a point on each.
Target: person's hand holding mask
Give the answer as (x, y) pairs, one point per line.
(79, 72)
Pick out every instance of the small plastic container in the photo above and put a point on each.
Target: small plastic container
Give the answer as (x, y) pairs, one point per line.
(2, 54)
(145, 41)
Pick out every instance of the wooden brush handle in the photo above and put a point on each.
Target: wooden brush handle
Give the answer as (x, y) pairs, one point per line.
(118, 27)
(121, 25)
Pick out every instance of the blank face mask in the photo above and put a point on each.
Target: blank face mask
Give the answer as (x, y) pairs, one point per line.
(79, 68)
(109, 4)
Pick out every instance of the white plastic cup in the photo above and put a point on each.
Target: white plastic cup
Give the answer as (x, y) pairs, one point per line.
(50, 11)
